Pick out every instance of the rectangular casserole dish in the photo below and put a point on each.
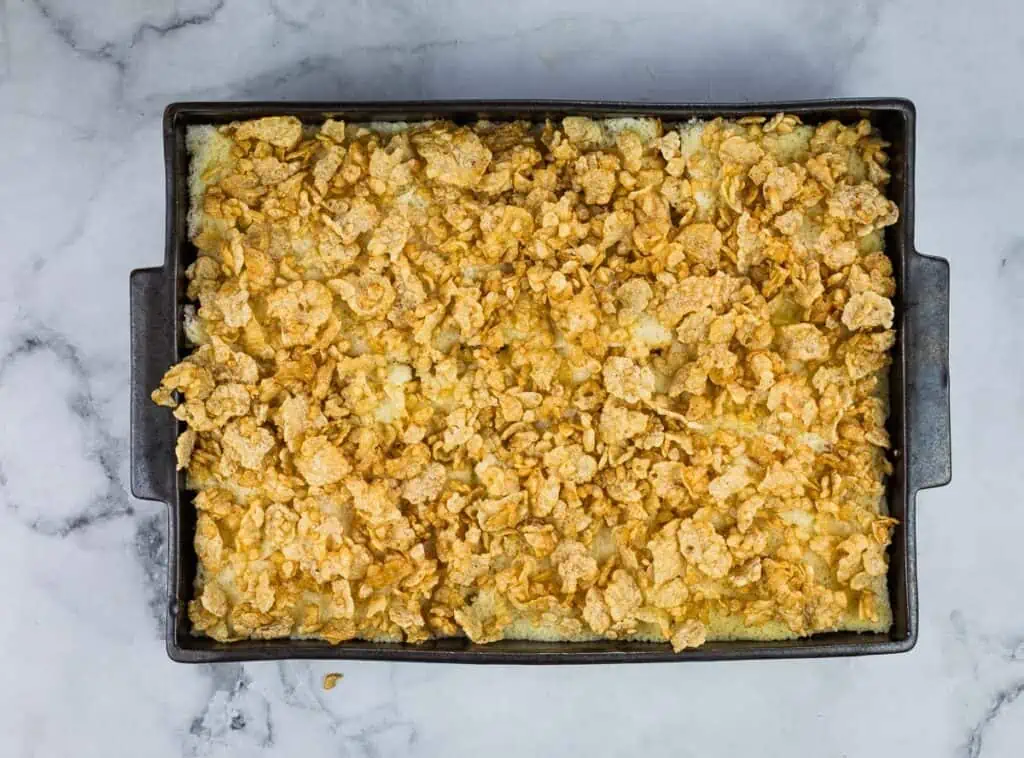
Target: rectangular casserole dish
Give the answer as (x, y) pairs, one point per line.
(919, 385)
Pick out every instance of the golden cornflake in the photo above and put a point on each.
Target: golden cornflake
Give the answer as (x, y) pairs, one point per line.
(582, 379)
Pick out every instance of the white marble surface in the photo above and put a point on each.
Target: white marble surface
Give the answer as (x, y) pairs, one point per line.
(82, 564)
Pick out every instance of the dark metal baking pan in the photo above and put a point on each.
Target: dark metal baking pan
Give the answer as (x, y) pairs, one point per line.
(919, 382)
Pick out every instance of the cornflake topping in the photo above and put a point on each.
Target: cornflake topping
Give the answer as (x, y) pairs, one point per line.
(574, 380)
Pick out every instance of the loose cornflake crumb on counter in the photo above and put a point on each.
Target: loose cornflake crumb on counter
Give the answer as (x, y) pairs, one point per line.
(590, 379)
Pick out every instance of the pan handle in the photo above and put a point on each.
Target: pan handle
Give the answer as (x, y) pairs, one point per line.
(927, 350)
(152, 352)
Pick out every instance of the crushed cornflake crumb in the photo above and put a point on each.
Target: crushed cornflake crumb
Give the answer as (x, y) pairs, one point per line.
(331, 680)
(573, 380)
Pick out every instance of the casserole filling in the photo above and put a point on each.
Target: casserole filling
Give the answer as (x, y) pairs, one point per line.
(564, 381)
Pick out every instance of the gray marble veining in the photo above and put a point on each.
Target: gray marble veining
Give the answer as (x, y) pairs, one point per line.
(82, 564)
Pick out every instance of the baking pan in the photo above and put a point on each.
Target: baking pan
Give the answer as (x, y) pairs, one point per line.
(919, 385)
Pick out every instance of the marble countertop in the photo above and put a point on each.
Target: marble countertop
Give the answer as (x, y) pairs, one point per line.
(82, 564)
